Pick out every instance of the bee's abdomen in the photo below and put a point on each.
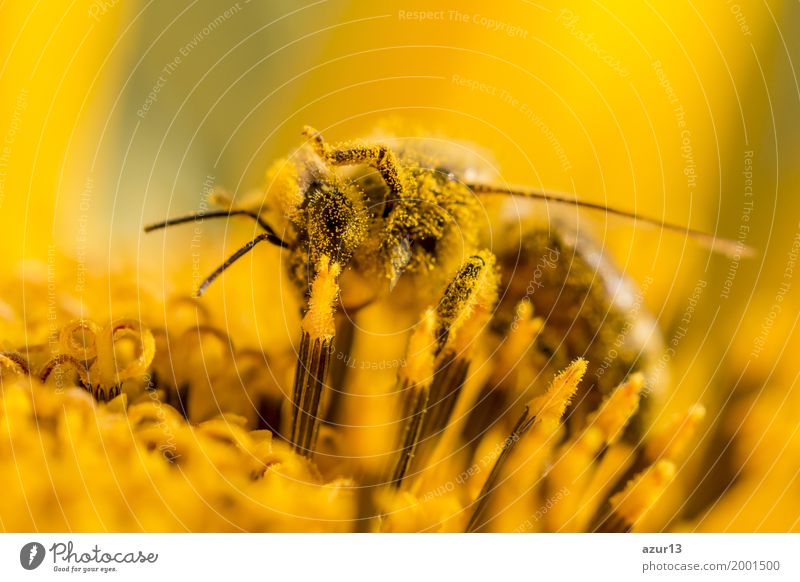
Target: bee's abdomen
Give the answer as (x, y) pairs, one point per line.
(587, 312)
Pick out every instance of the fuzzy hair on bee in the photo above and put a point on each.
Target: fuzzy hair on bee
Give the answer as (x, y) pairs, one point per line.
(360, 220)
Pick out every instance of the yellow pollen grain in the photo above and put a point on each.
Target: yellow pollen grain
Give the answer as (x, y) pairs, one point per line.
(550, 407)
(421, 351)
(576, 457)
(618, 408)
(642, 492)
(471, 296)
(671, 442)
(318, 320)
(519, 340)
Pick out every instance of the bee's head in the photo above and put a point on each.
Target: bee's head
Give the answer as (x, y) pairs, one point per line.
(377, 215)
(331, 221)
(335, 218)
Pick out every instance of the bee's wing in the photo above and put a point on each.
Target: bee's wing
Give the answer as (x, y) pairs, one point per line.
(441, 153)
(727, 247)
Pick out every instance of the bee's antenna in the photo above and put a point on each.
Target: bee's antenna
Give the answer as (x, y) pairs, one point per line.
(724, 246)
(268, 236)
(274, 238)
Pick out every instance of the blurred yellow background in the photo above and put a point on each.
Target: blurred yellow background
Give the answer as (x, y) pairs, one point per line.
(116, 114)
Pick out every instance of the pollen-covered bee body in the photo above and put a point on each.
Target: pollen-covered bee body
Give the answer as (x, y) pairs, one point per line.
(589, 307)
(429, 230)
(331, 221)
(401, 219)
(500, 294)
(420, 221)
(426, 220)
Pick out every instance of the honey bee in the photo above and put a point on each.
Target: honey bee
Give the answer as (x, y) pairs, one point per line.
(362, 220)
